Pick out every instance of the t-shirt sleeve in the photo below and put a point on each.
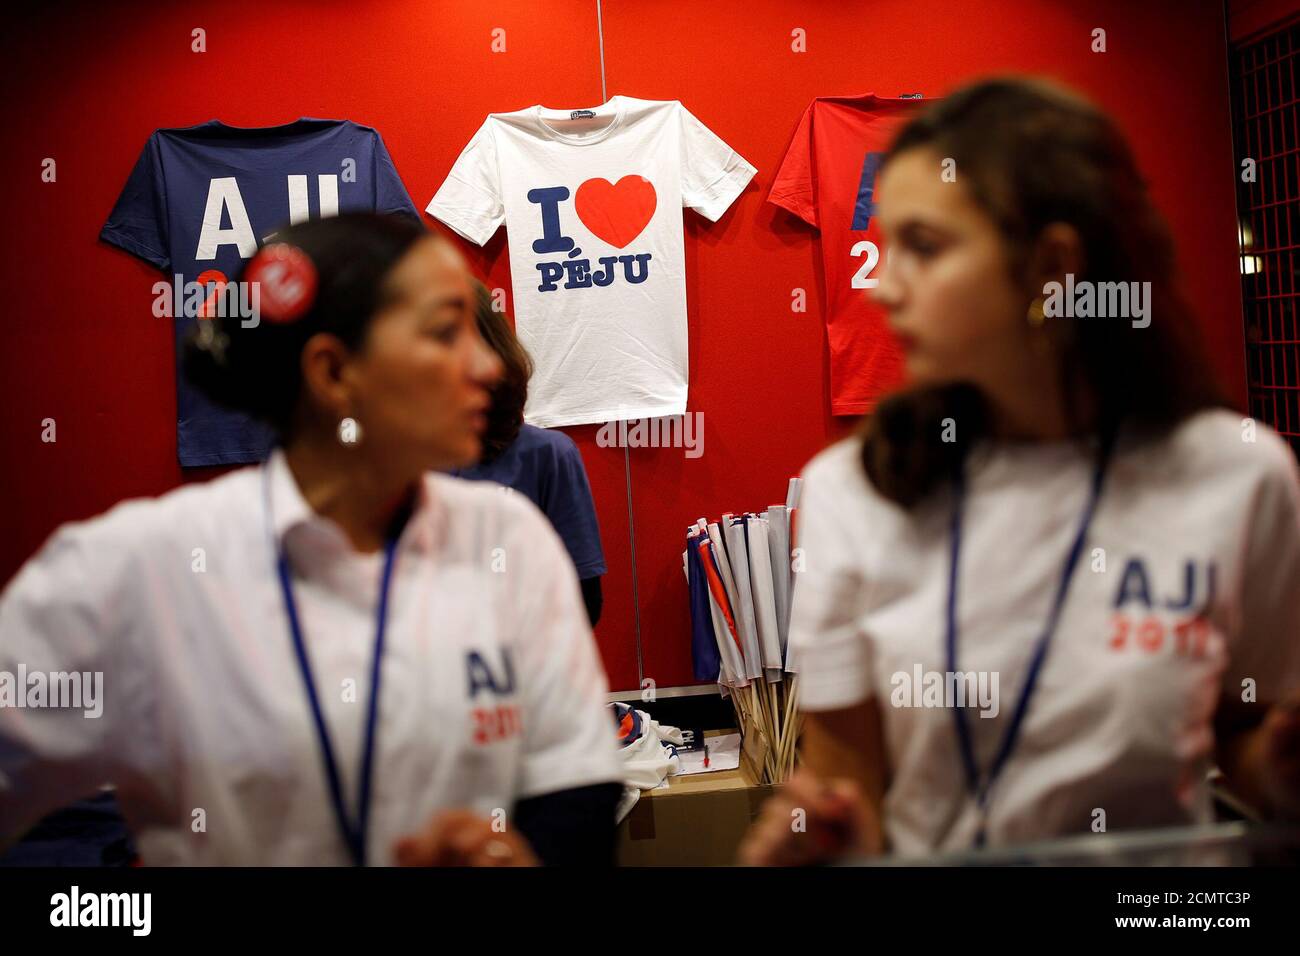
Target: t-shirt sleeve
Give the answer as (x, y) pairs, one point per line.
(470, 199)
(569, 739)
(795, 186)
(713, 174)
(829, 650)
(390, 193)
(65, 621)
(138, 222)
(1267, 647)
(569, 505)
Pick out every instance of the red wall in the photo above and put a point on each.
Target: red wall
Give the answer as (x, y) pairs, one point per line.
(89, 84)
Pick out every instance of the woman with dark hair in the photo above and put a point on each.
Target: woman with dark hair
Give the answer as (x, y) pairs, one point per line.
(543, 464)
(338, 656)
(1055, 580)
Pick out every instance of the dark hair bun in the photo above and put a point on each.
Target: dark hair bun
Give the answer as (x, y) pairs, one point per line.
(254, 366)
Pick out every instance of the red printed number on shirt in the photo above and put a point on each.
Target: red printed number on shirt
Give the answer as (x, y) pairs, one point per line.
(1188, 636)
(496, 723)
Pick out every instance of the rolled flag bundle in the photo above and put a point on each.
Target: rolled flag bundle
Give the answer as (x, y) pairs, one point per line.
(712, 617)
(778, 547)
(741, 576)
(724, 617)
(764, 595)
(738, 552)
(796, 556)
(705, 659)
(723, 562)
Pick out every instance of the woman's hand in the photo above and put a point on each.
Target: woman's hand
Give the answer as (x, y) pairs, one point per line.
(462, 838)
(810, 820)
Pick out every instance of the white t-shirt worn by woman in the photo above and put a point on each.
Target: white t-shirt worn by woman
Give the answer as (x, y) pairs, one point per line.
(1187, 589)
(491, 686)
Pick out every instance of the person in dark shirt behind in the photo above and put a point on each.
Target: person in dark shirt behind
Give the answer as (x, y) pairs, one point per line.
(542, 463)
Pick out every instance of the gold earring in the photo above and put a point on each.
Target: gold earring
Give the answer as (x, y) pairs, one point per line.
(1035, 314)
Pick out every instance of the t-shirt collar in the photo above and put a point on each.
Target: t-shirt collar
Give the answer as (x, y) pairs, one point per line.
(614, 107)
(290, 510)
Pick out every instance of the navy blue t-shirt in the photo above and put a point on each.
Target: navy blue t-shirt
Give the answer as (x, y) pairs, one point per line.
(546, 466)
(201, 201)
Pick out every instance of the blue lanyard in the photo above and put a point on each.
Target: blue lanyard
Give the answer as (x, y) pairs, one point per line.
(981, 787)
(352, 831)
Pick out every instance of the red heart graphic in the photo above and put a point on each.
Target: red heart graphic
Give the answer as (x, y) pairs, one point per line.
(616, 212)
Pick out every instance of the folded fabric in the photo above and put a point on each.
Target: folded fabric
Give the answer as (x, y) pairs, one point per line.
(630, 727)
(652, 755)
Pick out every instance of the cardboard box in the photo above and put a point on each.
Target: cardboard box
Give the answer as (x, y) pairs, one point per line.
(698, 820)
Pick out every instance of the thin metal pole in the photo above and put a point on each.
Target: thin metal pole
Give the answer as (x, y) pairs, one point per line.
(627, 459)
(600, 34)
(631, 534)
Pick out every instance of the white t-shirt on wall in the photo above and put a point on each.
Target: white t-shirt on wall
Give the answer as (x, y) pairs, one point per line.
(1121, 720)
(591, 200)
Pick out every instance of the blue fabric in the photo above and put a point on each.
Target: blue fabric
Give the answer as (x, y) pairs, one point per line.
(160, 217)
(625, 712)
(545, 465)
(705, 658)
(90, 832)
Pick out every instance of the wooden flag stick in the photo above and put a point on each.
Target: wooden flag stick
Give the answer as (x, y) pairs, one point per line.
(743, 705)
(780, 703)
(778, 726)
(791, 698)
(793, 750)
(763, 720)
(735, 706)
(777, 731)
(791, 732)
(750, 718)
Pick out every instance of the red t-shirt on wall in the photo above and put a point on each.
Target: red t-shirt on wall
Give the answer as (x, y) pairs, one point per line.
(828, 179)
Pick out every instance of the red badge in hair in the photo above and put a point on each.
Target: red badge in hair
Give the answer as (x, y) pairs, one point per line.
(286, 281)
